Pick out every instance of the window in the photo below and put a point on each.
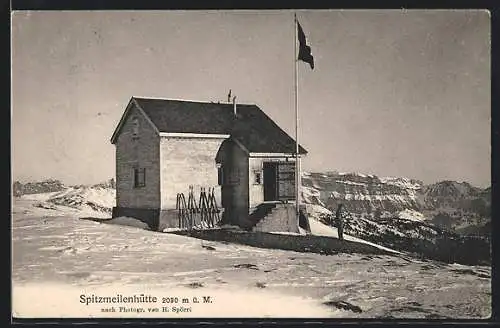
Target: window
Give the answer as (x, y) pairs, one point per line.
(139, 177)
(233, 177)
(220, 175)
(135, 127)
(257, 177)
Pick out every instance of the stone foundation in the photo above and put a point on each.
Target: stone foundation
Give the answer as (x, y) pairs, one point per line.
(146, 215)
(168, 219)
(156, 219)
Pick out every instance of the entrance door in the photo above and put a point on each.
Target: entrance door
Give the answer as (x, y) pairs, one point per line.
(286, 181)
(270, 181)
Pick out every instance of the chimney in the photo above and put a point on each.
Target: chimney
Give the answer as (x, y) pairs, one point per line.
(234, 107)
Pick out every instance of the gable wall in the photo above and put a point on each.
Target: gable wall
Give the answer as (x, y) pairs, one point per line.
(143, 152)
(188, 161)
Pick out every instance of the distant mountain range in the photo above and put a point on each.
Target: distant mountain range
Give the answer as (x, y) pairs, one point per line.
(454, 206)
(447, 221)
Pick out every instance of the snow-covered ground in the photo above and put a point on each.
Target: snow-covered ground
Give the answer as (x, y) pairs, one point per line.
(40, 197)
(89, 198)
(104, 197)
(320, 229)
(29, 207)
(411, 215)
(58, 257)
(93, 201)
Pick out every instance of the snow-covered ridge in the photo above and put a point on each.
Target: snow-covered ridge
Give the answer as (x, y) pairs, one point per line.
(351, 183)
(311, 196)
(362, 192)
(96, 200)
(411, 215)
(402, 182)
(357, 174)
(387, 197)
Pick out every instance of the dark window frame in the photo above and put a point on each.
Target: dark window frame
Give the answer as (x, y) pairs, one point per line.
(138, 174)
(220, 175)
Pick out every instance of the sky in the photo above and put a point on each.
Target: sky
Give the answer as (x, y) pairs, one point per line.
(393, 93)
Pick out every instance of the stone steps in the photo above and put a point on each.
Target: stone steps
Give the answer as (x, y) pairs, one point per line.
(260, 212)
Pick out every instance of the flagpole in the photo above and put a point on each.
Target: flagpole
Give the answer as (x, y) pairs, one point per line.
(297, 159)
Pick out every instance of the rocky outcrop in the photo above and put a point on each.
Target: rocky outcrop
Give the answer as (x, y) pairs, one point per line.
(448, 204)
(363, 193)
(447, 221)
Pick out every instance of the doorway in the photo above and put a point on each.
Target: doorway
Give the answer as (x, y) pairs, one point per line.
(270, 181)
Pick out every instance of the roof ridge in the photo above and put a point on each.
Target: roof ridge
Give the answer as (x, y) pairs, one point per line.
(193, 101)
(256, 130)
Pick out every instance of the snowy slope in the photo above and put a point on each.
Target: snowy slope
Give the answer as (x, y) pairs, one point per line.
(411, 215)
(99, 199)
(41, 196)
(91, 201)
(320, 229)
(60, 258)
(310, 195)
(406, 231)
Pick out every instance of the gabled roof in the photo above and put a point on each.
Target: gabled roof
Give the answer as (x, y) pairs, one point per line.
(252, 128)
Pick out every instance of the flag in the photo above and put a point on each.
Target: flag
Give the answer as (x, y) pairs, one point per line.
(304, 50)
